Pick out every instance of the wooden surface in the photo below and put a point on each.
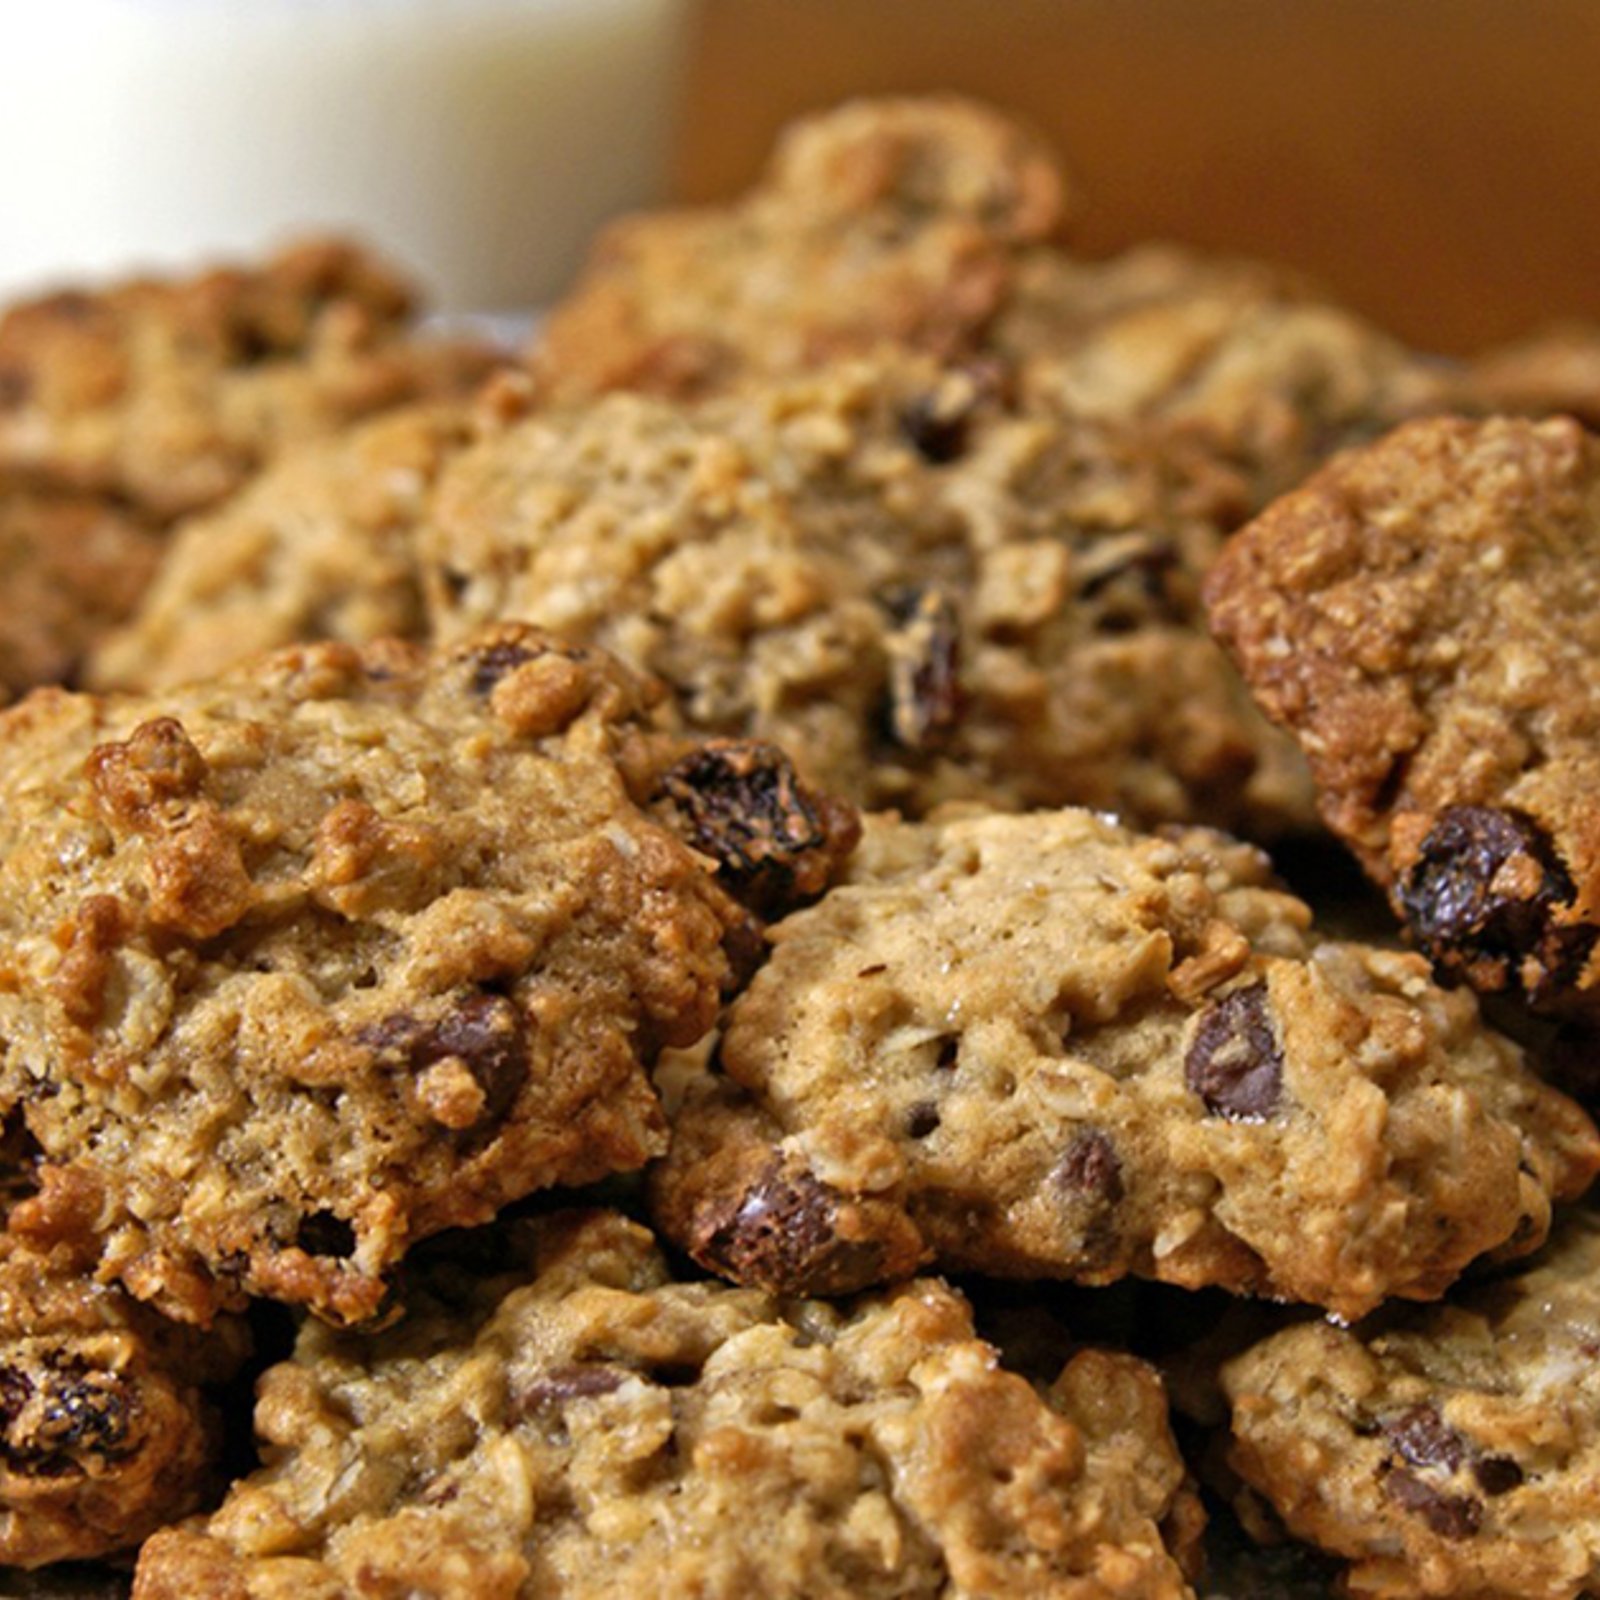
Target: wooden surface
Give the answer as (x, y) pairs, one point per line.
(1435, 162)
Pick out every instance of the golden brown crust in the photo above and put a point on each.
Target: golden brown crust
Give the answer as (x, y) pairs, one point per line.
(629, 1434)
(169, 393)
(879, 222)
(1043, 1046)
(1423, 616)
(308, 962)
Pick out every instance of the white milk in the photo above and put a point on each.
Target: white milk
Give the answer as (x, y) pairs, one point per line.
(480, 141)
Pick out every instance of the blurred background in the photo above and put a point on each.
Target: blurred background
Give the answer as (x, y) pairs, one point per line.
(1433, 163)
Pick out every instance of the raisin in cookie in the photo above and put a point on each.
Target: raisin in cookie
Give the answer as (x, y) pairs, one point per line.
(920, 593)
(71, 568)
(1425, 616)
(304, 963)
(319, 546)
(878, 222)
(169, 393)
(1043, 1046)
(588, 1427)
(1447, 1452)
(108, 1427)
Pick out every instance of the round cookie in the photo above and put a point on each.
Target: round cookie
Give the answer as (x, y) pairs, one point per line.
(306, 962)
(583, 1426)
(1449, 1451)
(1045, 1046)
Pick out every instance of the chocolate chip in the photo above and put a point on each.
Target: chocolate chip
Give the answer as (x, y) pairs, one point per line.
(482, 1031)
(1091, 1168)
(561, 1384)
(924, 654)
(1497, 1474)
(324, 1234)
(1484, 900)
(775, 840)
(922, 1120)
(937, 426)
(781, 1234)
(1451, 1516)
(1425, 1439)
(1234, 1063)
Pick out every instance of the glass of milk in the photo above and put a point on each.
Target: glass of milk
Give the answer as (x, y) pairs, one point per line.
(480, 142)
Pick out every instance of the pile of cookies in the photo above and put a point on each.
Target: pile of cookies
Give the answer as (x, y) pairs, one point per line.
(679, 949)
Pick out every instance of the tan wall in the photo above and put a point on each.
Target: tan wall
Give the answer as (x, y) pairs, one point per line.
(1436, 162)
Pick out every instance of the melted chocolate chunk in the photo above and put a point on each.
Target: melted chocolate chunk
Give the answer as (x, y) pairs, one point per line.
(1234, 1063)
(482, 1031)
(1091, 1168)
(924, 651)
(1451, 1516)
(774, 839)
(781, 1234)
(1425, 1439)
(1484, 900)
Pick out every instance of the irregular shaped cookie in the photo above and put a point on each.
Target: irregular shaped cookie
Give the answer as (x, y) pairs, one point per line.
(918, 594)
(1445, 1452)
(305, 963)
(319, 546)
(169, 393)
(1043, 1046)
(597, 1429)
(108, 1428)
(71, 568)
(1553, 371)
(1424, 615)
(878, 222)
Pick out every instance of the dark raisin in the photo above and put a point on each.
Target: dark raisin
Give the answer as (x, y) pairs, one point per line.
(1425, 1439)
(937, 426)
(561, 1384)
(324, 1234)
(1497, 1474)
(1091, 1168)
(1234, 1063)
(781, 1234)
(923, 1119)
(482, 1031)
(1451, 1516)
(1485, 897)
(16, 1389)
(85, 1412)
(924, 650)
(775, 840)
(1131, 578)
(493, 663)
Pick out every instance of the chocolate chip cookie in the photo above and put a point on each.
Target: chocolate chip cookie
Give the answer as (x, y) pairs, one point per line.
(1424, 615)
(1446, 1452)
(587, 1426)
(307, 962)
(1044, 1046)
(880, 222)
(169, 393)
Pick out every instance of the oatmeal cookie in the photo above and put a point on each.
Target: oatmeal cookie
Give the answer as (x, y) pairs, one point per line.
(108, 1427)
(304, 963)
(169, 393)
(878, 222)
(1044, 1046)
(1424, 615)
(71, 568)
(1450, 1451)
(589, 1427)
(919, 593)
(319, 546)
(1555, 371)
